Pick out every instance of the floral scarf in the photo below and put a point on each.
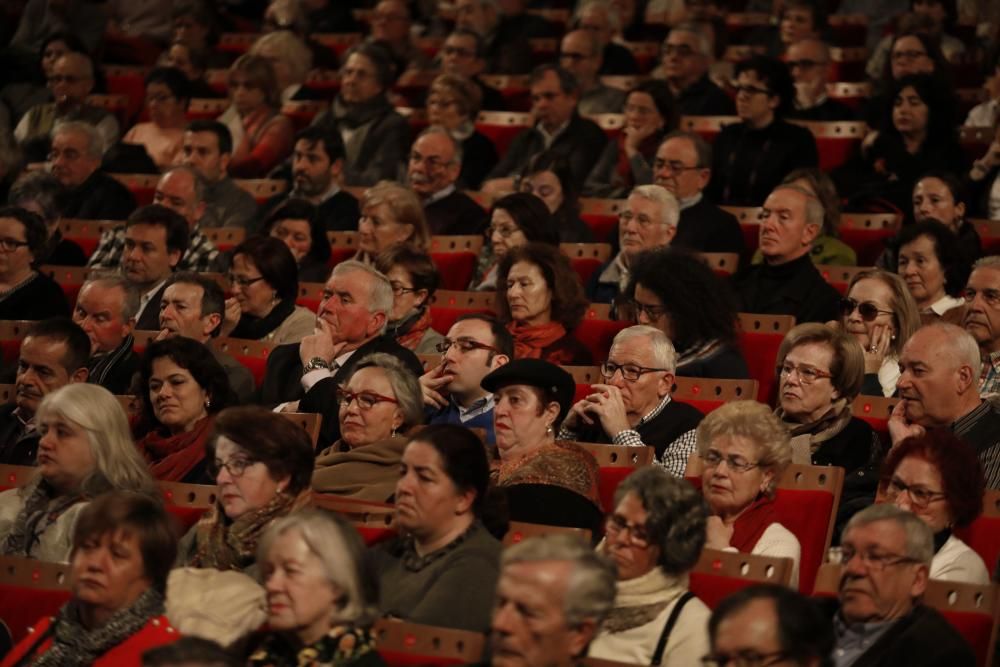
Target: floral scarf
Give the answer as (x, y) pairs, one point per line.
(530, 341)
(172, 457)
(560, 463)
(410, 330)
(42, 508)
(341, 646)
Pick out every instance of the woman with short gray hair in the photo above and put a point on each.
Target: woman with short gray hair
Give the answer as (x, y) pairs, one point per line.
(654, 536)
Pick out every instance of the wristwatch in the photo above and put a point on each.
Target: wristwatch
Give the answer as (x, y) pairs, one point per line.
(315, 364)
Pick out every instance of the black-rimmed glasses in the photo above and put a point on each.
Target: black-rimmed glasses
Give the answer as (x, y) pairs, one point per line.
(631, 372)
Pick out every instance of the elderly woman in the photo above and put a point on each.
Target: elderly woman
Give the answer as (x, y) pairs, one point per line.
(549, 177)
(440, 497)
(681, 296)
(321, 598)
(185, 387)
(453, 103)
(193, 62)
(262, 137)
(654, 536)
(934, 270)
(85, 450)
(515, 220)
(123, 547)
(41, 193)
(167, 97)
(545, 481)
(938, 477)
(391, 215)
(298, 224)
(262, 463)
(379, 405)
(542, 303)
(743, 450)
(291, 61)
(27, 294)
(414, 280)
(880, 314)
(265, 283)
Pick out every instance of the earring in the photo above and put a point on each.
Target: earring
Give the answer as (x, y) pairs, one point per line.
(208, 403)
(393, 434)
(548, 429)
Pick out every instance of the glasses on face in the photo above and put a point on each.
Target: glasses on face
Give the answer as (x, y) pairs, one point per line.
(243, 281)
(807, 374)
(644, 220)
(746, 658)
(675, 166)
(751, 90)
(920, 496)
(873, 560)
(234, 466)
(616, 525)
(652, 312)
(736, 463)
(440, 103)
(679, 50)
(399, 289)
(10, 245)
(868, 310)
(366, 399)
(631, 372)
(432, 162)
(908, 55)
(465, 345)
(505, 231)
(64, 78)
(990, 296)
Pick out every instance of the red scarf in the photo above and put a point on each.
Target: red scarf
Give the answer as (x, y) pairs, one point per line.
(411, 338)
(172, 457)
(530, 340)
(752, 523)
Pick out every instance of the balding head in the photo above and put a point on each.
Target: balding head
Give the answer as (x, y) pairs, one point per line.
(581, 54)
(939, 367)
(72, 79)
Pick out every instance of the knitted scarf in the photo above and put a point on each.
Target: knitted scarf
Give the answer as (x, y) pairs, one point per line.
(530, 340)
(341, 646)
(172, 457)
(256, 328)
(807, 438)
(638, 601)
(42, 508)
(410, 330)
(355, 114)
(752, 523)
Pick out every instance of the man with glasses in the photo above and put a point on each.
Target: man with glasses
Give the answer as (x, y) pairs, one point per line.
(463, 53)
(982, 319)
(686, 57)
(879, 618)
(634, 407)
(475, 346)
(580, 54)
(809, 62)
(75, 159)
(433, 169)
(505, 52)
(602, 19)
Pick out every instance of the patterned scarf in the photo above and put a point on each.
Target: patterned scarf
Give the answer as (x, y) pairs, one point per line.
(341, 646)
(42, 508)
(640, 600)
(529, 341)
(410, 330)
(172, 457)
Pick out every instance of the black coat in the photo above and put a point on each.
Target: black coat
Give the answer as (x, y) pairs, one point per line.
(100, 197)
(16, 448)
(794, 288)
(828, 111)
(150, 318)
(705, 227)
(40, 299)
(478, 157)
(455, 214)
(383, 151)
(704, 98)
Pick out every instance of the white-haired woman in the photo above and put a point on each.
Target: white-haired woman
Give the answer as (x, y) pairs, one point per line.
(291, 60)
(321, 596)
(85, 449)
(744, 448)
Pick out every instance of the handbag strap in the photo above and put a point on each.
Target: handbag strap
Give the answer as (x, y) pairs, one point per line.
(668, 628)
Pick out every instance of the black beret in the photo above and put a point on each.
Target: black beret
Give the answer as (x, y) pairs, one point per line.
(535, 373)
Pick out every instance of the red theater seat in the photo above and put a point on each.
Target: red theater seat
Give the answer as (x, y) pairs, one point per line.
(403, 644)
(601, 216)
(188, 502)
(86, 233)
(706, 394)
(373, 521)
(206, 108)
(849, 29)
(69, 278)
(513, 88)
(722, 263)
(338, 42)
(867, 233)
(12, 476)
(989, 234)
(616, 463)
(142, 186)
(448, 305)
(518, 531)
(707, 126)
(586, 257)
(749, 219)
(310, 294)
(225, 238)
(839, 277)
(455, 268)
(597, 335)
(250, 353)
(584, 376)
(836, 141)
(501, 127)
(343, 246)
(876, 411)
(303, 113)
(853, 94)
(719, 574)
(975, 141)
(983, 535)
(129, 82)
(30, 590)
(611, 123)
(262, 189)
(760, 337)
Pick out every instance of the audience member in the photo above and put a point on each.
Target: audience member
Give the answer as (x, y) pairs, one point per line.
(934, 270)
(53, 354)
(190, 651)
(43, 194)
(105, 309)
(432, 173)
(826, 248)
(167, 97)
(940, 195)
(549, 177)
(391, 29)
(912, 52)
(505, 48)
(391, 215)
(687, 55)
(982, 319)
(515, 220)
(42, 18)
(581, 54)
(75, 159)
(464, 54)
(798, 20)
(453, 103)
(193, 63)
(298, 225)
(987, 112)
(291, 61)
(27, 294)
(414, 280)
(208, 149)
(17, 98)
(927, 17)
(602, 20)
(809, 63)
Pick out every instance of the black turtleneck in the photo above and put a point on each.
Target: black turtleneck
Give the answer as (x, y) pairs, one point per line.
(793, 288)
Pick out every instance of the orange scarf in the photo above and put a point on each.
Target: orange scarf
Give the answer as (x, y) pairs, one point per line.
(172, 457)
(530, 340)
(414, 330)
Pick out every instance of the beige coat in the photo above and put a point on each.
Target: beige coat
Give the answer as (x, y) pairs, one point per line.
(56, 542)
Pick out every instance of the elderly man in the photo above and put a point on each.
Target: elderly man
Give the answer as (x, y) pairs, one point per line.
(634, 407)
(559, 129)
(434, 167)
(602, 19)
(506, 51)
(580, 54)
(939, 387)
(553, 594)
(193, 306)
(75, 159)
(208, 148)
(683, 165)
(71, 81)
(648, 220)
(464, 53)
(687, 56)
(356, 303)
(787, 282)
(180, 190)
(769, 620)
(476, 345)
(809, 62)
(53, 353)
(982, 319)
(105, 310)
(879, 619)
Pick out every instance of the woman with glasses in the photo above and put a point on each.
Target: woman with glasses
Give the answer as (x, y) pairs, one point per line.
(934, 270)
(167, 97)
(548, 176)
(743, 450)
(264, 280)
(414, 279)
(654, 536)
(880, 314)
(261, 463)
(391, 216)
(938, 477)
(297, 223)
(378, 407)
(453, 102)
(27, 294)
(515, 220)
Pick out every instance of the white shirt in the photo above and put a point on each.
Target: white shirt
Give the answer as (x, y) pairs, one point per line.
(147, 297)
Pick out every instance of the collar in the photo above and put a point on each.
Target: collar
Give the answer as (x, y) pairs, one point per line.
(858, 633)
(27, 422)
(652, 413)
(146, 296)
(690, 201)
(549, 139)
(992, 360)
(338, 362)
(463, 131)
(439, 195)
(944, 304)
(482, 406)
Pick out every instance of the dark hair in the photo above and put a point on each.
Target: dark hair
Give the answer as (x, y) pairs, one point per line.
(560, 167)
(197, 55)
(569, 303)
(72, 42)
(502, 340)
(950, 11)
(954, 265)
(662, 98)
(213, 300)
(139, 515)
(475, 36)
(385, 68)
(272, 439)
(331, 142)
(816, 7)
(35, 232)
(418, 264)
(172, 78)
(775, 76)
(463, 458)
(941, 105)
(300, 209)
(959, 192)
(275, 262)
(567, 82)
(531, 216)
(957, 463)
(195, 358)
(931, 46)
(41, 188)
(222, 134)
(702, 149)
(700, 304)
(190, 650)
(804, 631)
(66, 331)
(173, 223)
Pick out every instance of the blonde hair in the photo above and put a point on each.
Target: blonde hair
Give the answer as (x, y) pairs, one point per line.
(292, 49)
(755, 422)
(405, 207)
(260, 74)
(847, 369)
(465, 92)
(905, 312)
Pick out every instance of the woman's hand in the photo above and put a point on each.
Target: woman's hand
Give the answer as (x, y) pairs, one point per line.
(634, 136)
(717, 533)
(231, 317)
(878, 347)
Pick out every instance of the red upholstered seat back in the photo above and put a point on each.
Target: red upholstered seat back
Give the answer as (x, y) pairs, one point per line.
(455, 268)
(760, 350)
(21, 607)
(374, 534)
(712, 589)
(975, 629)
(597, 336)
(983, 535)
(608, 479)
(806, 514)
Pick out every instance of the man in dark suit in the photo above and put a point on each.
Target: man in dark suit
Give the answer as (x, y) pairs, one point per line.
(687, 55)
(350, 324)
(105, 310)
(432, 171)
(155, 241)
(75, 159)
(602, 20)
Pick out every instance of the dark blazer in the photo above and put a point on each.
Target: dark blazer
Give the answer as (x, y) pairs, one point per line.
(383, 151)
(705, 227)
(795, 288)
(828, 111)
(150, 318)
(704, 98)
(16, 448)
(478, 156)
(618, 60)
(39, 299)
(455, 214)
(100, 197)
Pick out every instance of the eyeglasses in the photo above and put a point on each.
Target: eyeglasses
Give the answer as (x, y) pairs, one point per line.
(58, 78)
(751, 90)
(440, 103)
(399, 289)
(735, 462)
(630, 372)
(644, 220)
(433, 162)
(366, 399)
(674, 165)
(868, 310)
(919, 496)
(616, 525)
(652, 312)
(807, 374)
(242, 281)
(990, 296)
(464, 345)
(805, 63)
(10, 245)
(873, 560)
(679, 50)
(235, 466)
(908, 55)
(746, 658)
(505, 231)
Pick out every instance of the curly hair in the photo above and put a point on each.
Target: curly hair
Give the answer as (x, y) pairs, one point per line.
(753, 421)
(196, 359)
(569, 302)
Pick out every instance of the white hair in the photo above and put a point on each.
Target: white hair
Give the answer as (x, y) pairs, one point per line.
(95, 144)
(988, 262)
(961, 344)
(664, 354)
(670, 209)
(700, 31)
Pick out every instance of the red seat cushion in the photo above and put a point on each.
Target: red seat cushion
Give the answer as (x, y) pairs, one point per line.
(711, 589)
(983, 537)
(601, 225)
(834, 152)
(456, 269)
(585, 267)
(608, 479)
(807, 515)
(597, 335)
(760, 350)
(500, 135)
(975, 629)
(867, 243)
(21, 607)
(186, 516)
(403, 659)
(374, 534)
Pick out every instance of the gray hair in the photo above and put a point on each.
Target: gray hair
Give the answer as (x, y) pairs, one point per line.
(814, 207)
(988, 262)
(590, 591)
(456, 145)
(962, 345)
(108, 280)
(340, 549)
(39, 187)
(702, 149)
(700, 30)
(664, 354)
(670, 210)
(676, 515)
(755, 422)
(197, 180)
(404, 385)
(380, 296)
(95, 144)
(919, 538)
